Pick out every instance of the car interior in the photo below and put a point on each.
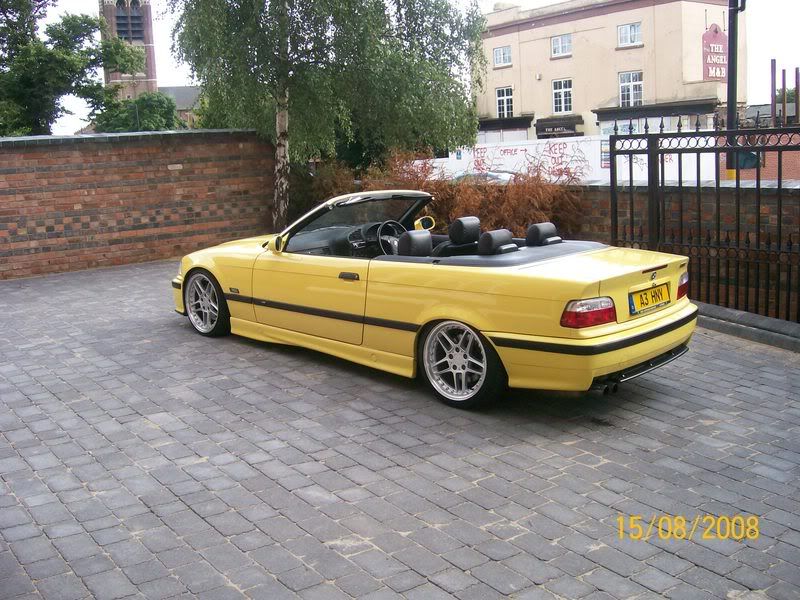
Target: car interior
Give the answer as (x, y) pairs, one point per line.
(464, 238)
(398, 241)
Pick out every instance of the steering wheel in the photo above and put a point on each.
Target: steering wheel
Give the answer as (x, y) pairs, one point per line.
(387, 242)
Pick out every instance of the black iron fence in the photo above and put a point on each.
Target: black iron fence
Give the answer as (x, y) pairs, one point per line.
(739, 226)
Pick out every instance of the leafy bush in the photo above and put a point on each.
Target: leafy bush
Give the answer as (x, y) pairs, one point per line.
(309, 188)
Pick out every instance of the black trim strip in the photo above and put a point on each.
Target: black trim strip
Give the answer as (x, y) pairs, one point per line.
(308, 310)
(391, 324)
(321, 312)
(597, 349)
(176, 285)
(239, 298)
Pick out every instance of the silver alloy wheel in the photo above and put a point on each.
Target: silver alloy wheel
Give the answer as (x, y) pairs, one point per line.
(202, 303)
(454, 360)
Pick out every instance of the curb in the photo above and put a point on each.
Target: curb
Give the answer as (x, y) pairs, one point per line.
(750, 326)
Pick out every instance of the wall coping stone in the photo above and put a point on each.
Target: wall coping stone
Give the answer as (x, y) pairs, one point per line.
(110, 138)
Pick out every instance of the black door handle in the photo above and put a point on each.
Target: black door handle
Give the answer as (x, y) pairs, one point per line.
(349, 276)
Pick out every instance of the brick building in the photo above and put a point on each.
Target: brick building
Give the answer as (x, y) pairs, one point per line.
(575, 67)
(131, 20)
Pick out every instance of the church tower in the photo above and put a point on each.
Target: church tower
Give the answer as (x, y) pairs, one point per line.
(131, 20)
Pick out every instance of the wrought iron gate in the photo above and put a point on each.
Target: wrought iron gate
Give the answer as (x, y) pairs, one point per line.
(740, 228)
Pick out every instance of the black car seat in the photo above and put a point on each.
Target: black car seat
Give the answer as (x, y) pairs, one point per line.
(499, 241)
(542, 234)
(415, 243)
(464, 233)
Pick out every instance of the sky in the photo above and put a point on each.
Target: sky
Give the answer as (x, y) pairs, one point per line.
(771, 33)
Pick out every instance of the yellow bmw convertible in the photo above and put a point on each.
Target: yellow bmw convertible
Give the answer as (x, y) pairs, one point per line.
(362, 278)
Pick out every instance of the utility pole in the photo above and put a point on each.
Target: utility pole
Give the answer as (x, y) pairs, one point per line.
(734, 8)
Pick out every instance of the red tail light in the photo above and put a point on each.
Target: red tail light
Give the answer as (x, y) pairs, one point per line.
(588, 313)
(683, 284)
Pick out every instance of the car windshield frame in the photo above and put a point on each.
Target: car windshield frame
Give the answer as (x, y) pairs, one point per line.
(415, 201)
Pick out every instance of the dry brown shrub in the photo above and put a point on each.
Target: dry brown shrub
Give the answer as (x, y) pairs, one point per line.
(528, 198)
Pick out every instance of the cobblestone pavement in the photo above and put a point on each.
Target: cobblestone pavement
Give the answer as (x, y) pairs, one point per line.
(138, 458)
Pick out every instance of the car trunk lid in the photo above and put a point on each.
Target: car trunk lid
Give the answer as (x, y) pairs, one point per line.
(639, 282)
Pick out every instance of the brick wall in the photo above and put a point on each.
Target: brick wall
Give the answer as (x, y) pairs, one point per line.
(758, 211)
(69, 203)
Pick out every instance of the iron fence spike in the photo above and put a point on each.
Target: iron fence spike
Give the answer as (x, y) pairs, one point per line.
(680, 123)
(616, 129)
(661, 125)
(697, 123)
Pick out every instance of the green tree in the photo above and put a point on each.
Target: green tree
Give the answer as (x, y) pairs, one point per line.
(35, 74)
(370, 74)
(790, 94)
(151, 111)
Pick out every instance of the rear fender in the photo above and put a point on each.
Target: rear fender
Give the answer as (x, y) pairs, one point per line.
(448, 313)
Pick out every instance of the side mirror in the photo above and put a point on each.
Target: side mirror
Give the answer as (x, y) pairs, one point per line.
(426, 222)
(277, 244)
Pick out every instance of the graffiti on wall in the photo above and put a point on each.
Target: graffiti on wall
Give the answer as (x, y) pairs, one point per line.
(557, 161)
(562, 160)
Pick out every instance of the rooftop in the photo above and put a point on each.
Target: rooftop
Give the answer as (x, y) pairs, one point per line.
(185, 96)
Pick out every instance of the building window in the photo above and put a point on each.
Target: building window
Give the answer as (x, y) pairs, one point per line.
(629, 35)
(561, 45)
(505, 104)
(630, 88)
(130, 26)
(562, 96)
(502, 56)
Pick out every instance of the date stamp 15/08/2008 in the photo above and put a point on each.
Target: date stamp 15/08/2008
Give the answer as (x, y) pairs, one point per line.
(677, 527)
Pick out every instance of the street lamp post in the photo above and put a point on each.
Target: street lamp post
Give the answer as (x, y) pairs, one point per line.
(734, 8)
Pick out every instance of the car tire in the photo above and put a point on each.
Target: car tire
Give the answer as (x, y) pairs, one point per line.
(205, 304)
(460, 365)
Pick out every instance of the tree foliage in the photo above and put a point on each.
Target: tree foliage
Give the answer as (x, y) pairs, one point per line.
(790, 95)
(374, 74)
(377, 73)
(35, 74)
(151, 111)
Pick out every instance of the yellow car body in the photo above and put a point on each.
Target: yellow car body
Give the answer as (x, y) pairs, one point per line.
(377, 314)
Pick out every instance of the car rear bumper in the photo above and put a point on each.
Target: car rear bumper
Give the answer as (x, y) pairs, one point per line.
(560, 364)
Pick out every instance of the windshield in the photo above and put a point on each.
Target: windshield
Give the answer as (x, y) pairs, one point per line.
(358, 211)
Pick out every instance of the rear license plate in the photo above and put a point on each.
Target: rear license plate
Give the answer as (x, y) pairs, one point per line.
(649, 299)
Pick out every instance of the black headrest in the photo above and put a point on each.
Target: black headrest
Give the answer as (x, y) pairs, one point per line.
(415, 243)
(498, 241)
(465, 230)
(542, 234)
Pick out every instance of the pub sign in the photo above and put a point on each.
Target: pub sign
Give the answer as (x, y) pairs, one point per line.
(715, 54)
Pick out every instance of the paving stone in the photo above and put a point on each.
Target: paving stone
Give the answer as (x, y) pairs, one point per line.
(63, 587)
(501, 578)
(300, 578)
